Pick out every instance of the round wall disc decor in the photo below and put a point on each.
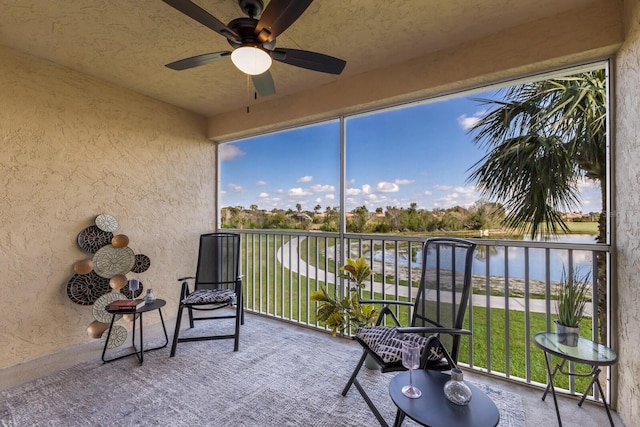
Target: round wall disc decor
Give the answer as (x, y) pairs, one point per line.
(85, 289)
(110, 261)
(92, 238)
(117, 338)
(106, 222)
(95, 329)
(118, 282)
(84, 266)
(120, 240)
(142, 263)
(98, 311)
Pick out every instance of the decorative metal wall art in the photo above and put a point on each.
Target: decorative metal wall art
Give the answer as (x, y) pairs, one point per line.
(92, 238)
(106, 222)
(85, 289)
(102, 278)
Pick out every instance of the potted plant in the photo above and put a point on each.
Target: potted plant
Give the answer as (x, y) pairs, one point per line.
(337, 313)
(571, 300)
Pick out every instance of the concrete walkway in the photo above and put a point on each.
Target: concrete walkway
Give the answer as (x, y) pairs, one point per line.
(288, 255)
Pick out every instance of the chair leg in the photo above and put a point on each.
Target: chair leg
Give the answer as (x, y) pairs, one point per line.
(236, 338)
(355, 374)
(354, 381)
(190, 317)
(177, 331)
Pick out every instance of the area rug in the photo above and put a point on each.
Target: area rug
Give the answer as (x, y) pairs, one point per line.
(283, 375)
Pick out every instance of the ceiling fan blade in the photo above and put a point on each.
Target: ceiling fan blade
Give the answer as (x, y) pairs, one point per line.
(197, 13)
(277, 17)
(309, 60)
(196, 61)
(264, 84)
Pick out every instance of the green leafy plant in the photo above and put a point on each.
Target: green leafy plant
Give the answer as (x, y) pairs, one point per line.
(572, 297)
(339, 313)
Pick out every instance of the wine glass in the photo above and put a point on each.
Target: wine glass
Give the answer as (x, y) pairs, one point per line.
(134, 285)
(411, 361)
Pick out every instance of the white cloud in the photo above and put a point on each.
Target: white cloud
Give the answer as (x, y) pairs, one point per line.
(307, 178)
(585, 184)
(322, 188)
(230, 152)
(236, 188)
(263, 195)
(366, 189)
(442, 187)
(467, 122)
(223, 193)
(387, 187)
(470, 189)
(329, 197)
(428, 193)
(298, 192)
(261, 183)
(280, 191)
(404, 181)
(353, 191)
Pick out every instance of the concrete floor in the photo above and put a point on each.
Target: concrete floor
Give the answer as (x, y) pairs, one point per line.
(542, 414)
(537, 412)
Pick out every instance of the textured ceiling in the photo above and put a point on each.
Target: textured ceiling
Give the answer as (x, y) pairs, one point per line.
(128, 42)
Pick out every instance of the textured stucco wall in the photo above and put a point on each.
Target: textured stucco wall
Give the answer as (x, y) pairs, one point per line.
(627, 175)
(72, 147)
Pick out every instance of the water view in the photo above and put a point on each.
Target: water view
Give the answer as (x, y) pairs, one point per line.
(515, 259)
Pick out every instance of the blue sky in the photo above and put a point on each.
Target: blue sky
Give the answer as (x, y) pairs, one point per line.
(415, 154)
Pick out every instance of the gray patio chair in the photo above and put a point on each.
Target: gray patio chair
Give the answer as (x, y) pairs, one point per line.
(217, 286)
(438, 310)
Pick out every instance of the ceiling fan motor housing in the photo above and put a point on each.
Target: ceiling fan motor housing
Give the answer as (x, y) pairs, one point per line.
(245, 28)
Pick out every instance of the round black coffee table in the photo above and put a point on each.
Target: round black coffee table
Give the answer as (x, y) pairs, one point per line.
(433, 409)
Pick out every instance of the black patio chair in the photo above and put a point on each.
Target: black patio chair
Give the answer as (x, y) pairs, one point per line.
(217, 286)
(438, 310)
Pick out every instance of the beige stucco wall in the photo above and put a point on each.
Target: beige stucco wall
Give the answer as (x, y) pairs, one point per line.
(71, 148)
(627, 176)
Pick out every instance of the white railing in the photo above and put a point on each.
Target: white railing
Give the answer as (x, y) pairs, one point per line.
(513, 284)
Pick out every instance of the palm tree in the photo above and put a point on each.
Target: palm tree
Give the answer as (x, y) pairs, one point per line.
(541, 139)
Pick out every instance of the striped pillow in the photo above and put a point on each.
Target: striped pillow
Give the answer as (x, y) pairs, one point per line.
(211, 296)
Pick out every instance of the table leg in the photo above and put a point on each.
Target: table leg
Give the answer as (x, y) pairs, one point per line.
(399, 418)
(596, 379)
(552, 376)
(547, 358)
(104, 350)
(138, 353)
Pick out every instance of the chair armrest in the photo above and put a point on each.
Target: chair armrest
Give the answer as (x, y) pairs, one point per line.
(386, 302)
(185, 278)
(433, 330)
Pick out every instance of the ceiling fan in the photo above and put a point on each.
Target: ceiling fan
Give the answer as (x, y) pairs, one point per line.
(254, 41)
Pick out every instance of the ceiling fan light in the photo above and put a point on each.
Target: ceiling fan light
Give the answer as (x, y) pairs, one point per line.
(251, 60)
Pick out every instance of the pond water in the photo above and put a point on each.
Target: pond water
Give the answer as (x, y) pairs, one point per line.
(514, 260)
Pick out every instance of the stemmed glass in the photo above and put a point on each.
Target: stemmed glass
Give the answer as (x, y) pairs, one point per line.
(411, 361)
(134, 285)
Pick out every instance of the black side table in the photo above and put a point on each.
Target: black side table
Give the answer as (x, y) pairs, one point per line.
(156, 305)
(586, 352)
(433, 409)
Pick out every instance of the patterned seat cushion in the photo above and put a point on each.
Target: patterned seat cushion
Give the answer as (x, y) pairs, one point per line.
(210, 296)
(386, 342)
